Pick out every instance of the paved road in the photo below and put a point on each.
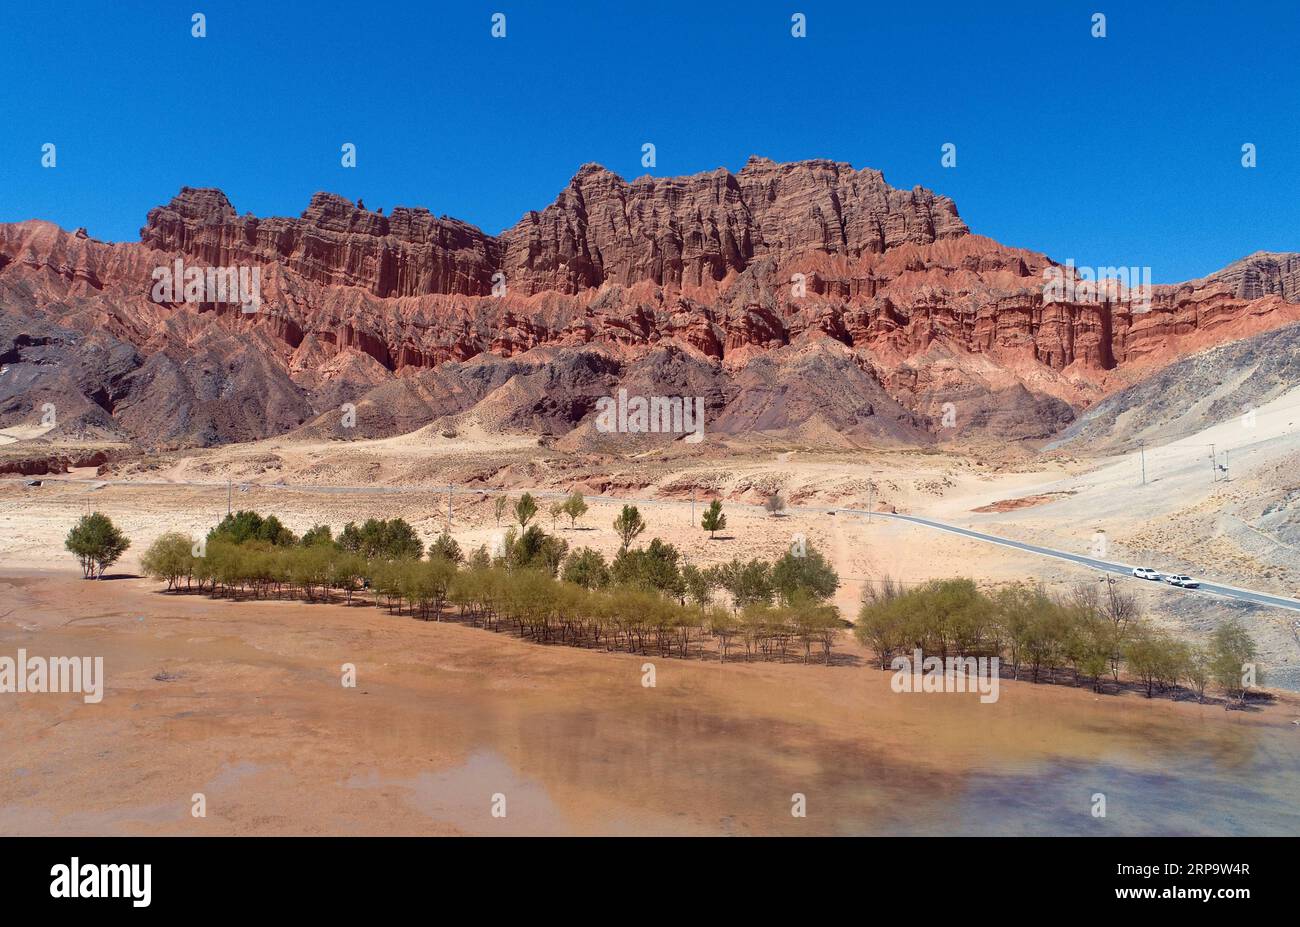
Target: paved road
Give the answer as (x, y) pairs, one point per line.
(1107, 566)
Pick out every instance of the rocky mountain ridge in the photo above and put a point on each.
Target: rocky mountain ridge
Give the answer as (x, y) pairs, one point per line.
(774, 285)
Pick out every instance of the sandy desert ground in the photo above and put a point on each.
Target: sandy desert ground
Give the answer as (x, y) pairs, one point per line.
(242, 702)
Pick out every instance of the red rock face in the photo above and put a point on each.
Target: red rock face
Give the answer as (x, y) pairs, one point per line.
(694, 231)
(334, 243)
(671, 231)
(771, 263)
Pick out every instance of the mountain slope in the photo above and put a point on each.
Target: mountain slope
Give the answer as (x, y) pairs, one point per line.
(1190, 395)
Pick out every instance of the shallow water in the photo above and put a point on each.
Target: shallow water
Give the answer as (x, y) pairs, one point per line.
(249, 710)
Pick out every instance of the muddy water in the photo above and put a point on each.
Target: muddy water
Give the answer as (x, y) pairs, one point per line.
(243, 704)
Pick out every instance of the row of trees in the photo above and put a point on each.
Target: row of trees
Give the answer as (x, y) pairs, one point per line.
(1085, 635)
(524, 509)
(628, 524)
(636, 618)
(649, 597)
(392, 538)
(645, 598)
(396, 539)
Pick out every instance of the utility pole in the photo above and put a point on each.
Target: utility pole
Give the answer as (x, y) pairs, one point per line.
(871, 498)
(1214, 472)
(1142, 452)
(1226, 477)
(228, 491)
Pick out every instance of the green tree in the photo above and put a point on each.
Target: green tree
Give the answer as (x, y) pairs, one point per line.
(312, 568)
(391, 539)
(445, 547)
(1232, 655)
(1197, 671)
(525, 509)
(575, 507)
(813, 623)
(1043, 637)
(170, 558)
(400, 541)
(628, 525)
(698, 588)
(749, 583)
(534, 549)
(237, 527)
(882, 623)
(241, 526)
(653, 567)
(1017, 608)
(318, 534)
(426, 585)
(97, 544)
(1089, 645)
(500, 505)
(810, 574)
(713, 520)
(347, 572)
(1149, 655)
(586, 568)
(724, 625)
(480, 559)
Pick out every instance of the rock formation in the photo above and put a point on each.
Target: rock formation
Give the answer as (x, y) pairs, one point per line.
(789, 293)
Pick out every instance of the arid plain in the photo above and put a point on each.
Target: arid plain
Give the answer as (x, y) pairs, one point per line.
(241, 701)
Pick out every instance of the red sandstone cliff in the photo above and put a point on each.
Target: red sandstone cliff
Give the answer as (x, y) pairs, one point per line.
(903, 310)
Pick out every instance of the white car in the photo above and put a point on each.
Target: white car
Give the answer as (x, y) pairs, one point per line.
(1145, 573)
(1180, 579)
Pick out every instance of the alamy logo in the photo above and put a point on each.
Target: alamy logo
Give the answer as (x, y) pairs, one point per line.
(176, 283)
(55, 674)
(918, 673)
(88, 880)
(655, 414)
(1082, 284)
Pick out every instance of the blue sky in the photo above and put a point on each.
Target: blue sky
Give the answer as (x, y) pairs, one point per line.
(1117, 151)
